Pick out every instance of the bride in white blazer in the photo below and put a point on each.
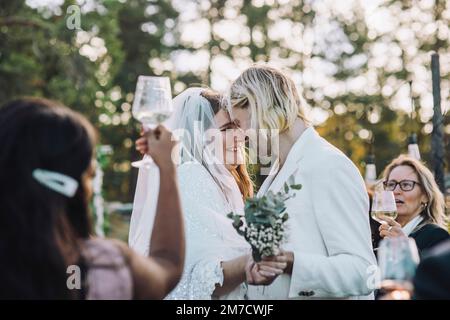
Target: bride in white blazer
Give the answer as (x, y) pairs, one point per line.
(329, 249)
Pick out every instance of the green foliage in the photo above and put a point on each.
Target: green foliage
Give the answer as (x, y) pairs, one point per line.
(40, 56)
(263, 222)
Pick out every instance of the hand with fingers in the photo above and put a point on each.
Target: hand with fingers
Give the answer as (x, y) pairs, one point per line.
(256, 276)
(284, 260)
(142, 143)
(390, 228)
(158, 144)
(265, 271)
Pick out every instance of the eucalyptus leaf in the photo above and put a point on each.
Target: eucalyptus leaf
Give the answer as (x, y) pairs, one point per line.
(296, 186)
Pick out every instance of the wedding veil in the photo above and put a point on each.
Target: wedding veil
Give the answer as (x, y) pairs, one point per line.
(200, 142)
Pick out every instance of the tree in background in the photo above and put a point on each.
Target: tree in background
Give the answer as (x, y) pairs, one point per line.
(351, 60)
(393, 41)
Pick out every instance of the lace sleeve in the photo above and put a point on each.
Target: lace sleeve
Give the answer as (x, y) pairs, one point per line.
(207, 245)
(199, 281)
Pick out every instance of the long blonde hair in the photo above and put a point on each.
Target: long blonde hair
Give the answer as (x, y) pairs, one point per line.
(271, 95)
(435, 209)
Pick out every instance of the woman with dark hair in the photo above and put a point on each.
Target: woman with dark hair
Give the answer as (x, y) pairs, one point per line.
(45, 229)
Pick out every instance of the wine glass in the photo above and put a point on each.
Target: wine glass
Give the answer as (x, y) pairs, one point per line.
(152, 105)
(383, 205)
(398, 258)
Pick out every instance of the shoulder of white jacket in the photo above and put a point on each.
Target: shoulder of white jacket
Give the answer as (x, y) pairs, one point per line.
(322, 152)
(324, 159)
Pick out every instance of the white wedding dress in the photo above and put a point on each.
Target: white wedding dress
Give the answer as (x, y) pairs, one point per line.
(208, 193)
(210, 236)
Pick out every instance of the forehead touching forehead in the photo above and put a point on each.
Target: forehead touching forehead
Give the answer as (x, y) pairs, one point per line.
(270, 95)
(222, 117)
(241, 117)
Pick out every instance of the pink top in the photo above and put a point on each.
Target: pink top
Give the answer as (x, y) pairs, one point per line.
(109, 276)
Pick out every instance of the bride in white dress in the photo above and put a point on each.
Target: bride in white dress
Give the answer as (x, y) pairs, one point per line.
(218, 261)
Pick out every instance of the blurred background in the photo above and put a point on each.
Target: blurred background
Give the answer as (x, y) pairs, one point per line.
(360, 64)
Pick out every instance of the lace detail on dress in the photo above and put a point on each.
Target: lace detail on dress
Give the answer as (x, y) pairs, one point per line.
(198, 282)
(210, 237)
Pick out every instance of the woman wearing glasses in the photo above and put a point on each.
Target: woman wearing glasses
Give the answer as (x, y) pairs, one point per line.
(420, 203)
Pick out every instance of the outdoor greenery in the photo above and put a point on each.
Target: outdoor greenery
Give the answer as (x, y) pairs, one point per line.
(352, 61)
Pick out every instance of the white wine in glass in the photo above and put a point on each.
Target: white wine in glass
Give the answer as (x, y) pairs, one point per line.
(149, 118)
(152, 106)
(378, 215)
(383, 205)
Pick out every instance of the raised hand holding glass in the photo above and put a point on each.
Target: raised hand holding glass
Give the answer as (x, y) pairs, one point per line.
(152, 105)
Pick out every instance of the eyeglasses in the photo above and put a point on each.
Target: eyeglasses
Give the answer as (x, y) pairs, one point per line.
(405, 185)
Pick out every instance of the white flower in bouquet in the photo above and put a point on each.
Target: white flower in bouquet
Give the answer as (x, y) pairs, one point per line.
(264, 222)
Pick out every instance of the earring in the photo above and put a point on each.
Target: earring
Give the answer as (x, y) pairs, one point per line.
(424, 204)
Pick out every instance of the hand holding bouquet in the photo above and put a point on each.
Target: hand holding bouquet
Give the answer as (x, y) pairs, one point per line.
(263, 223)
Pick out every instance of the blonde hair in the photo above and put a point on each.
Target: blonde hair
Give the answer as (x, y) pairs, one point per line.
(271, 95)
(435, 209)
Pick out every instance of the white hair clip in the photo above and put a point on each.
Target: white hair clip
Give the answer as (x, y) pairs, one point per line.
(58, 182)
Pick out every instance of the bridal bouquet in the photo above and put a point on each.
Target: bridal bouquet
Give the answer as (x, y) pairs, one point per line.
(263, 223)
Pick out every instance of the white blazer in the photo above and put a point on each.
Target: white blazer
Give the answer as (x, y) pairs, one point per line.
(328, 225)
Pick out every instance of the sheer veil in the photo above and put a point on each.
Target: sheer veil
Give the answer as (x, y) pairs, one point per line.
(200, 142)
